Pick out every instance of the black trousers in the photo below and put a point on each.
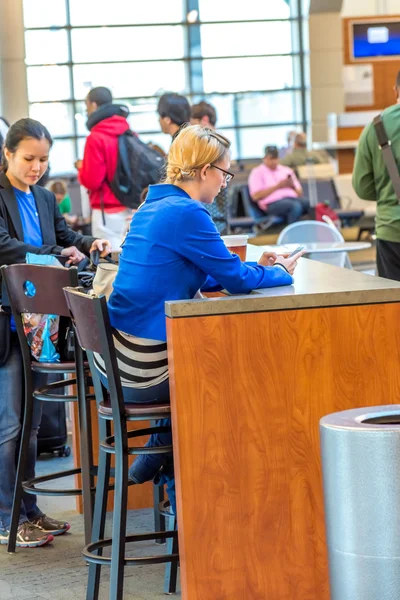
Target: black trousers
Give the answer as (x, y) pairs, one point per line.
(388, 259)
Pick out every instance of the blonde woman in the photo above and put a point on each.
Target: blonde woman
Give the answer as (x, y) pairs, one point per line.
(172, 250)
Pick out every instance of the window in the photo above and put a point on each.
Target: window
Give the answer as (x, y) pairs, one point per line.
(245, 58)
(108, 44)
(131, 79)
(124, 12)
(226, 10)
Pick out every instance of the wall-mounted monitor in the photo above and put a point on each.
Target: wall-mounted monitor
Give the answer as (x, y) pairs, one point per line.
(374, 40)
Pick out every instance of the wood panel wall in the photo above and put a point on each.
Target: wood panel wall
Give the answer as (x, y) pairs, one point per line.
(248, 391)
(384, 70)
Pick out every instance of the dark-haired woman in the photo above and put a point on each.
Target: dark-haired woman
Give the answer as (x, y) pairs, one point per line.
(30, 221)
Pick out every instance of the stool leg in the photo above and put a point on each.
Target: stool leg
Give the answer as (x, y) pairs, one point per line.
(159, 520)
(120, 511)
(158, 496)
(100, 511)
(85, 432)
(171, 569)
(20, 474)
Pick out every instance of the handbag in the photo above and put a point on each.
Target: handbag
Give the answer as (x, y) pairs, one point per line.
(5, 336)
(103, 281)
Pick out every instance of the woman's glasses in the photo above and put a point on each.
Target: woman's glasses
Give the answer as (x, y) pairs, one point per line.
(228, 175)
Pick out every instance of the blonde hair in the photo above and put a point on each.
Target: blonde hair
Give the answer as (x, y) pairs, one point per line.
(194, 147)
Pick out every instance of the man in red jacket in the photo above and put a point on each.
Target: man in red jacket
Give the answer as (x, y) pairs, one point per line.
(110, 218)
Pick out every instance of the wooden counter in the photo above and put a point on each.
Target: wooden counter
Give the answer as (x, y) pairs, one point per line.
(250, 378)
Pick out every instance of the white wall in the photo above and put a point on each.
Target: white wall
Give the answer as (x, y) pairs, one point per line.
(353, 8)
(326, 58)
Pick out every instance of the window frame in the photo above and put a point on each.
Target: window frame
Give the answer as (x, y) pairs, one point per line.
(193, 65)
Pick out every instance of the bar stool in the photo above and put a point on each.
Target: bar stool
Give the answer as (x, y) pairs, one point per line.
(94, 333)
(47, 297)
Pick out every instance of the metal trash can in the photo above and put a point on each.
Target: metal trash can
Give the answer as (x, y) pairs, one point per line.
(361, 477)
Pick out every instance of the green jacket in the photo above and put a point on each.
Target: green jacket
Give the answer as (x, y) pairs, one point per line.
(371, 179)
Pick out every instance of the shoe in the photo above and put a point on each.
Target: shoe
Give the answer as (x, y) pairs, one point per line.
(48, 525)
(28, 536)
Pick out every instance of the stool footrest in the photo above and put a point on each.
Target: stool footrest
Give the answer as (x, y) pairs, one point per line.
(30, 485)
(108, 444)
(89, 551)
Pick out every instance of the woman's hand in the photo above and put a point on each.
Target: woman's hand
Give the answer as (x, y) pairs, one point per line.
(289, 262)
(103, 246)
(74, 255)
(268, 259)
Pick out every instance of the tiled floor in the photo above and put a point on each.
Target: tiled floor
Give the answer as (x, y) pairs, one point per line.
(58, 572)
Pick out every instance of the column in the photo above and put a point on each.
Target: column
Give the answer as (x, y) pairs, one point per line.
(13, 84)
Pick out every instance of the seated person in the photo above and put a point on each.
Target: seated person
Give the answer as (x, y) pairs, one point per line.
(299, 155)
(289, 143)
(276, 188)
(60, 190)
(171, 250)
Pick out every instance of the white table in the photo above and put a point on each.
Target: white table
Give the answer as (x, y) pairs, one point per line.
(255, 252)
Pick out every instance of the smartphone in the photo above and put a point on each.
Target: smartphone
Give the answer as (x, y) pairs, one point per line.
(298, 249)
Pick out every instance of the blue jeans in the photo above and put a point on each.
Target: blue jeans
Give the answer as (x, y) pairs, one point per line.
(11, 403)
(147, 466)
(289, 208)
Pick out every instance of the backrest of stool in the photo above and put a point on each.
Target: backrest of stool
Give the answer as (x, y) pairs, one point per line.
(49, 283)
(90, 317)
(47, 299)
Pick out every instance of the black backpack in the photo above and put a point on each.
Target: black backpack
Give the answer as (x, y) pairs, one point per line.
(138, 166)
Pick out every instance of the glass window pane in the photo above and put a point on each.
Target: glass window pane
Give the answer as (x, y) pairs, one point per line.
(81, 147)
(143, 114)
(231, 135)
(261, 38)
(225, 10)
(159, 139)
(58, 117)
(125, 12)
(242, 74)
(253, 140)
(278, 107)
(44, 13)
(222, 104)
(62, 157)
(48, 83)
(131, 79)
(81, 118)
(127, 43)
(46, 47)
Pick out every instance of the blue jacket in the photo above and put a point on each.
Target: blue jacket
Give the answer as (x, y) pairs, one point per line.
(171, 248)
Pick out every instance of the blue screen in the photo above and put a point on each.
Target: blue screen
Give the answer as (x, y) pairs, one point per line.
(376, 39)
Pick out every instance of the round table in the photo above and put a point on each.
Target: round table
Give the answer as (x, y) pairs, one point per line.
(254, 252)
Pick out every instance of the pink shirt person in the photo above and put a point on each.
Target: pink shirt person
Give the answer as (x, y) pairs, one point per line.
(262, 177)
(270, 181)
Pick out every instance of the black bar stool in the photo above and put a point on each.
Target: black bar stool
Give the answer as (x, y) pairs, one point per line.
(48, 298)
(94, 333)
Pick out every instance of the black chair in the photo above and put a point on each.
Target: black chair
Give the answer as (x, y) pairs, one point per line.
(94, 333)
(260, 220)
(48, 298)
(326, 191)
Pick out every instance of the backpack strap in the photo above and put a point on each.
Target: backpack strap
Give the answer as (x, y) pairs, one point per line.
(385, 145)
